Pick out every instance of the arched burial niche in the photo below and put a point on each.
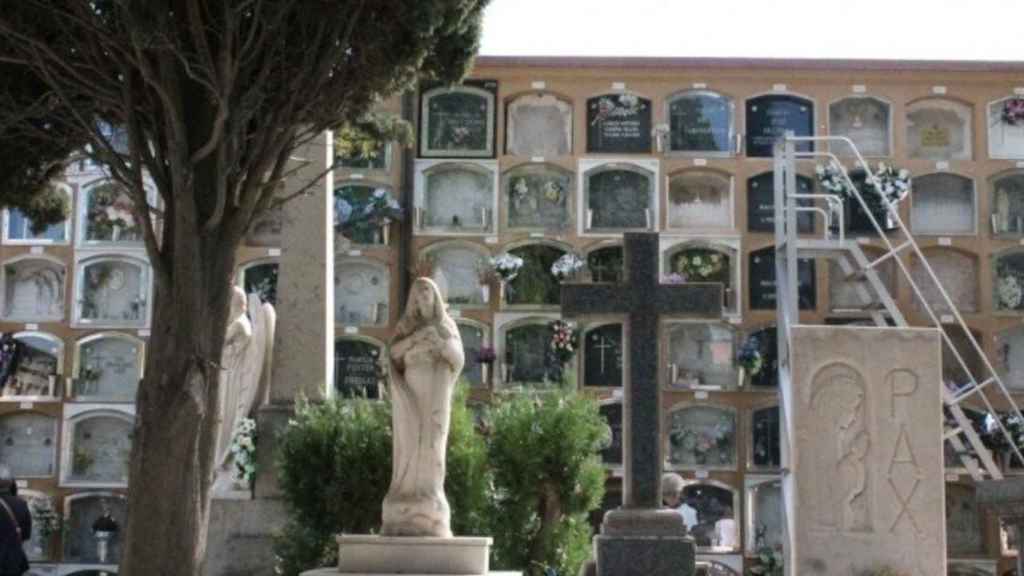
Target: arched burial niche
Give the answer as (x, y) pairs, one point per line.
(611, 410)
(455, 197)
(44, 529)
(97, 447)
(108, 367)
(475, 337)
(762, 287)
(943, 203)
(538, 124)
(706, 261)
(456, 270)
(770, 116)
(40, 365)
(764, 509)
(699, 199)
(957, 271)
(81, 513)
(939, 129)
(1007, 203)
(761, 203)
(1006, 128)
(458, 121)
(358, 367)
(1009, 357)
(702, 436)
(864, 119)
(602, 355)
(33, 289)
(701, 122)
(702, 355)
(536, 284)
(1008, 280)
(112, 291)
(538, 197)
(260, 277)
(765, 342)
(716, 523)
(619, 196)
(607, 263)
(106, 215)
(354, 203)
(362, 290)
(765, 438)
(18, 227)
(28, 444)
(526, 355)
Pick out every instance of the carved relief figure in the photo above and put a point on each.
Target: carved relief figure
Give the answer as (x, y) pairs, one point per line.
(838, 412)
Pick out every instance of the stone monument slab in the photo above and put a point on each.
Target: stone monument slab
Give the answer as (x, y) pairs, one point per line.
(867, 487)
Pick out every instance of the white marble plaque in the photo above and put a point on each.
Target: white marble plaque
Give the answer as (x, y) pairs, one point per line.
(28, 444)
(958, 274)
(33, 290)
(109, 368)
(458, 197)
(457, 274)
(942, 204)
(100, 449)
(939, 129)
(865, 120)
(361, 292)
(702, 355)
(700, 199)
(113, 292)
(539, 125)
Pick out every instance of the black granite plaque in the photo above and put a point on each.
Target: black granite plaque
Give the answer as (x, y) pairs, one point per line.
(618, 199)
(700, 122)
(472, 340)
(357, 368)
(619, 123)
(612, 455)
(458, 122)
(762, 281)
(766, 341)
(761, 204)
(526, 352)
(767, 448)
(602, 356)
(770, 116)
(262, 279)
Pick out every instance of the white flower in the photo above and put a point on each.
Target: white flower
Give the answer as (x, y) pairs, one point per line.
(1010, 292)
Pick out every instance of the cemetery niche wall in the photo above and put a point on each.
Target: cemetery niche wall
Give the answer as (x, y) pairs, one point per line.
(112, 291)
(956, 270)
(762, 281)
(108, 367)
(866, 120)
(705, 261)
(84, 513)
(606, 263)
(459, 121)
(538, 197)
(618, 196)
(619, 123)
(527, 358)
(536, 284)
(761, 203)
(538, 124)
(939, 129)
(106, 217)
(28, 444)
(701, 356)
(456, 271)
(1006, 128)
(701, 122)
(1007, 203)
(98, 442)
(35, 370)
(456, 198)
(602, 356)
(362, 211)
(475, 339)
(701, 436)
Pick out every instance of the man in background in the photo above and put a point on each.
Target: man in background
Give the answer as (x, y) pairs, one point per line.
(672, 497)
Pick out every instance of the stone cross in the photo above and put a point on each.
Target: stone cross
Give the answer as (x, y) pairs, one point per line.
(644, 301)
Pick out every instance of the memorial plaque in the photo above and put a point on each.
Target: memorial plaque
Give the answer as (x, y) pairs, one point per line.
(612, 454)
(1008, 204)
(602, 356)
(358, 368)
(538, 125)
(700, 199)
(535, 284)
(80, 544)
(766, 527)
(1008, 281)
(1005, 136)
(527, 356)
(703, 355)
(457, 273)
(33, 290)
(769, 117)
(761, 204)
(361, 292)
(538, 196)
(261, 279)
(863, 119)
(702, 437)
(939, 129)
(28, 444)
(942, 204)
(472, 342)
(762, 281)
(100, 448)
(458, 198)
(113, 292)
(459, 121)
(958, 274)
(108, 369)
(766, 446)
(701, 121)
(619, 197)
(37, 369)
(619, 123)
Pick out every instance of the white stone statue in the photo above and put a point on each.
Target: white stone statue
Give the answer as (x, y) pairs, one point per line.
(426, 359)
(244, 376)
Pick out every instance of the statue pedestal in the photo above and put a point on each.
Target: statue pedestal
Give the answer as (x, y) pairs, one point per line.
(643, 542)
(410, 555)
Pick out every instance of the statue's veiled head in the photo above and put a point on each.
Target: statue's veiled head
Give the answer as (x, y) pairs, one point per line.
(425, 306)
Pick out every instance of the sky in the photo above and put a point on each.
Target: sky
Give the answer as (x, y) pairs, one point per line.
(887, 29)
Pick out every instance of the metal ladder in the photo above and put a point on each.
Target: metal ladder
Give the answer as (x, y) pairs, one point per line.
(984, 387)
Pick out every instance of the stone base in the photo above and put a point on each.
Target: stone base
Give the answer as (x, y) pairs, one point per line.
(334, 572)
(644, 542)
(362, 554)
(241, 536)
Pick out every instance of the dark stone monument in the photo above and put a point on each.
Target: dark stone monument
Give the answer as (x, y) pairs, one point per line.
(700, 122)
(602, 356)
(761, 204)
(619, 123)
(640, 538)
(357, 369)
(762, 281)
(460, 123)
(612, 455)
(769, 117)
(619, 199)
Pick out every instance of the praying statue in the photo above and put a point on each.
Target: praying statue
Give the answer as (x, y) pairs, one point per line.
(244, 375)
(426, 360)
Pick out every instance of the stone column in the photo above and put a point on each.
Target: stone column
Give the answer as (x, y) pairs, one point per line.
(304, 347)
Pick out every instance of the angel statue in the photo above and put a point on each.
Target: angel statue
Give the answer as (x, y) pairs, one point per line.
(426, 360)
(244, 376)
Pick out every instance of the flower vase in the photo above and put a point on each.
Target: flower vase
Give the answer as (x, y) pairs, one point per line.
(103, 538)
(115, 233)
(485, 293)
(741, 377)
(501, 293)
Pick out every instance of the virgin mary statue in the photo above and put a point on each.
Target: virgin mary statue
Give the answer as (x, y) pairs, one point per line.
(426, 359)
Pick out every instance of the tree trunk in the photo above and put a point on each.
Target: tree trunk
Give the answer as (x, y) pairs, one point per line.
(173, 446)
(550, 514)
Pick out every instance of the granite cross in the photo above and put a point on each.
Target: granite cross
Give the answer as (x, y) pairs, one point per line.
(644, 301)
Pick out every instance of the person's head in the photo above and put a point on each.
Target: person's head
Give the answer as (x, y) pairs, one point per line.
(671, 489)
(7, 484)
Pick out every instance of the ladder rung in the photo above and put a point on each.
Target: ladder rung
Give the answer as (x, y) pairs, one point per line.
(970, 390)
(890, 253)
(952, 433)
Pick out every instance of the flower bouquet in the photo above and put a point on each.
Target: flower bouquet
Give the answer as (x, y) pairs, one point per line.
(1009, 290)
(243, 448)
(45, 520)
(111, 215)
(567, 266)
(564, 340)
(890, 185)
(506, 266)
(750, 359)
(486, 355)
(363, 220)
(700, 265)
(1013, 112)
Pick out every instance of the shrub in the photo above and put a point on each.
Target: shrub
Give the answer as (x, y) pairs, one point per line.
(547, 475)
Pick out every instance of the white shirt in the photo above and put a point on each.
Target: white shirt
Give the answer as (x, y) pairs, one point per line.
(689, 515)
